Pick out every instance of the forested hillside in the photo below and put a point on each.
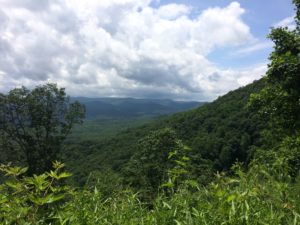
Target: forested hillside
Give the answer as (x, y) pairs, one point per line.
(222, 132)
(105, 117)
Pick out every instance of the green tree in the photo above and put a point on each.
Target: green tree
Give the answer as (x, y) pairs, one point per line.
(34, 123)
(149, 168)
(279, 101)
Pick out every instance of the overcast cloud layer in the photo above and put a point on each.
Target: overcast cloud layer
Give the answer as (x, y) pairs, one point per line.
(121, 48)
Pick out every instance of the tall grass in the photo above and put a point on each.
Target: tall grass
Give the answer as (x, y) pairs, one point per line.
(262, 195)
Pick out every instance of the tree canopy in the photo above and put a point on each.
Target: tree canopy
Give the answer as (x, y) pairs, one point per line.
(279, 101)
(34, 123)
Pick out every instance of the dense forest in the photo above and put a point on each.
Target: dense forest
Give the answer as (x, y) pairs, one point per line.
(105, 117)
(219, 134)
(233, 161)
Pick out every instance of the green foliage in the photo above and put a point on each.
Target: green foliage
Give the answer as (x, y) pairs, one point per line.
(261, 195)
(279, 101)
(106, 181)
(89, 207)
(148, 169)
(97, 130)
(288, 150)
(34, 123)
(31, 200)
(258, 196)
(178, 173)
(218, 134)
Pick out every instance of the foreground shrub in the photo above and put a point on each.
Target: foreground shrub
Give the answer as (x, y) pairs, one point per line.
(32, 200)
(263, 195)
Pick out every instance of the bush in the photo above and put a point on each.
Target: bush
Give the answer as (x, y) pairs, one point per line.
(32, 200)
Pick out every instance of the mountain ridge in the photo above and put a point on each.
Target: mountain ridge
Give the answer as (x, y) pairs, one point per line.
(133, 107)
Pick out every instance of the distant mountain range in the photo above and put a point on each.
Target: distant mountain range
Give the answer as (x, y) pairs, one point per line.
(131, 107)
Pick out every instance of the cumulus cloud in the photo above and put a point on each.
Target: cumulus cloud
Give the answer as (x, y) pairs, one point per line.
(120, 47)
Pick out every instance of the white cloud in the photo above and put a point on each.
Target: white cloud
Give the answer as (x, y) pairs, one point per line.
(173, 11)
(223, 27)
(288, 22)
(256, 46)
(120, 47)
(246, 76)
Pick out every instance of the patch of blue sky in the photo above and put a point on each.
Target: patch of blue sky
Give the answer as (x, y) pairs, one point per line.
(260, 16)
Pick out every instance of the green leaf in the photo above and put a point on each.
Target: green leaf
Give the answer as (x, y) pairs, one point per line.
(55, 198)
(64, 175)
(230, 198)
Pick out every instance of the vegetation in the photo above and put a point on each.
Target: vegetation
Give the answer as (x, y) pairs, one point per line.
(279, 102)
(149, 168)
(33, 125)
(242, 166)
(31, 200)
(96, 130)
(262, 195)
(218, 134)
(106, 117)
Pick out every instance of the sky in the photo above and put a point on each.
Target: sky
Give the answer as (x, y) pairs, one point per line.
(176, 49)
